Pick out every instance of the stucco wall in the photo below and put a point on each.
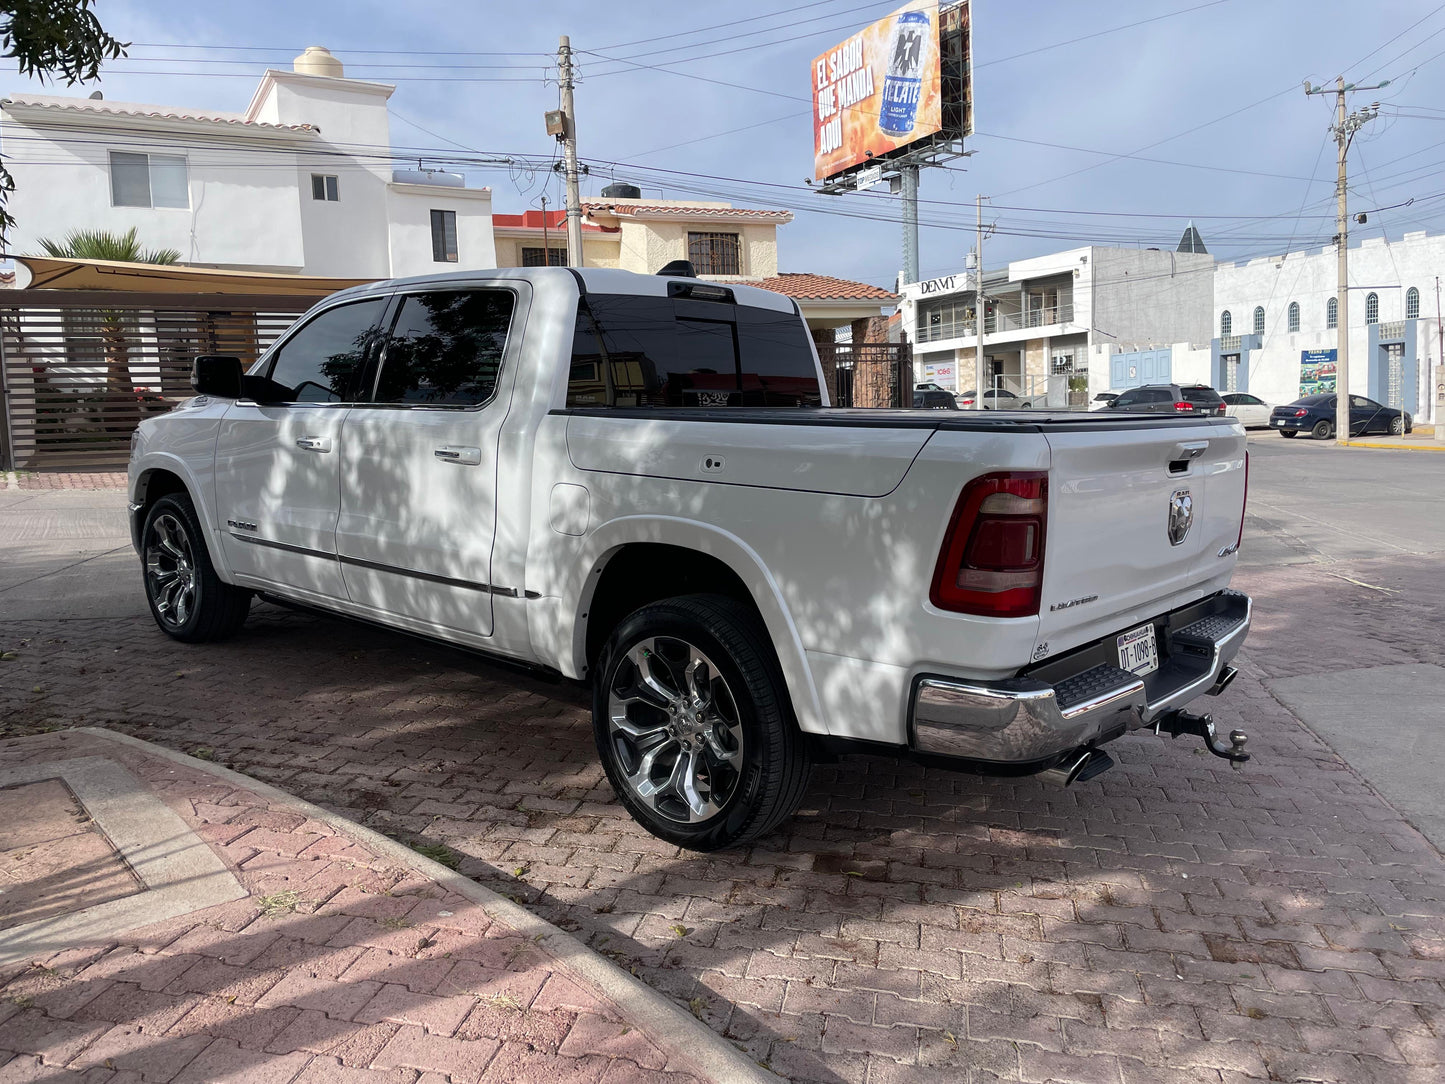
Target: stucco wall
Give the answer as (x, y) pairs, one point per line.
(1142, 297)
(408, 213)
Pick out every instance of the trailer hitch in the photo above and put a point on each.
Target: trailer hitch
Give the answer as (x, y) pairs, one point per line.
(1176, 723)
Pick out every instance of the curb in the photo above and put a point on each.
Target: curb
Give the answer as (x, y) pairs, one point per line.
(671, 1027)
(1438, 446)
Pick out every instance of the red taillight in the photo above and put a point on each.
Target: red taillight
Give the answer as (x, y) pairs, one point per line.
(965, 402)
(1183, 408)
(992, 561)
(1245, 506)
(1300, 413)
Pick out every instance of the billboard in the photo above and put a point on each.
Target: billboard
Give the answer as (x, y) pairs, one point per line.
(1316, 372)
(878, 91)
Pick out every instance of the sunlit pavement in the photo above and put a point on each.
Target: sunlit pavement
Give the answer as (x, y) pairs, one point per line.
(1172, 920)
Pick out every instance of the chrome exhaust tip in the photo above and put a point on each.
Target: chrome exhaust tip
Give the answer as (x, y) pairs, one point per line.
(1226, 678)
(1078, 767)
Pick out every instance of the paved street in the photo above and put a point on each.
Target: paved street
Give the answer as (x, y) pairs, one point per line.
(1173, 920)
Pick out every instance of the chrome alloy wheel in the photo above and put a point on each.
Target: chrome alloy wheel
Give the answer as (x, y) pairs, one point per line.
(674, 725)
(171, 570)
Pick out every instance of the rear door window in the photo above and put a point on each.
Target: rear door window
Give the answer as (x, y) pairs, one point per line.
(630, 351)
(445, 348)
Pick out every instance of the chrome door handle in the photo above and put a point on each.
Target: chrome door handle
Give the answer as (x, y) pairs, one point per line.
(459, 454)
(314, 444)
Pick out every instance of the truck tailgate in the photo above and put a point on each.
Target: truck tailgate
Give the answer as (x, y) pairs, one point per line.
(1110, 559)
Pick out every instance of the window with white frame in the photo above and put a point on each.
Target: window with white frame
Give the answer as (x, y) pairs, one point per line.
(1332, 313)
(1372, 308)
(148, 180)
(1412, 304)
(1226, 323)
(1294, 316)
(1259, 319)
(324, 187)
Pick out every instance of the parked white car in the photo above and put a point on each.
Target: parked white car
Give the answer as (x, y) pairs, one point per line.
(634, 481)
(1252, 411)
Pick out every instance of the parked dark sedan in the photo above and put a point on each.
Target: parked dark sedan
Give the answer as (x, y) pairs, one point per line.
(1315, 415)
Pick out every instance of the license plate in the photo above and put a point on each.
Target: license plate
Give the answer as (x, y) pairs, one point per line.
(1277, 421)
(1138, 651)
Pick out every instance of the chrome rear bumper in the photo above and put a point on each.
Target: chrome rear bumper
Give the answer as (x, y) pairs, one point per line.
(1082, 699)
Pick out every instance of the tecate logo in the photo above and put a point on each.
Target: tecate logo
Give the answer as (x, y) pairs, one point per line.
(1073, 602)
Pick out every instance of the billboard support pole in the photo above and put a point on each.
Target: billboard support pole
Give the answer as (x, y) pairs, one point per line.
(909, 177)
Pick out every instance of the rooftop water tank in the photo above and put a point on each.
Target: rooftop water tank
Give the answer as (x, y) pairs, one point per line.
(428, 176)
(317, 60)
(622, 191)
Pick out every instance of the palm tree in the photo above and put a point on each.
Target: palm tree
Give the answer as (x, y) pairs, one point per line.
(104, 245)
(124, 248)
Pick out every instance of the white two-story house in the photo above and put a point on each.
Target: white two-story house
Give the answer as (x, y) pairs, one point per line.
(303, 181)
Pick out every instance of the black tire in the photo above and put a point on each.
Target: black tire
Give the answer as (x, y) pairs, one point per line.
(1397, 425)
(749, 718)
(1290, 433)
(188, 600)
(1323, 430)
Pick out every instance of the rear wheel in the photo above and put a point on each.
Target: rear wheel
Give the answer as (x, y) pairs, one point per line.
(1323, 430)
(187, 599)
(1290, 433)
(693, 724)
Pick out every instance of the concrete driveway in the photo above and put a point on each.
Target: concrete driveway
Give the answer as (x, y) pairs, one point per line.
(1173, 920)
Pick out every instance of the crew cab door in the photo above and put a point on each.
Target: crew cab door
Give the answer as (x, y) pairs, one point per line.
(278, 461)
(419, 461)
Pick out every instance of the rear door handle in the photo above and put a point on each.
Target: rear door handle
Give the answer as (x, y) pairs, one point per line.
(314, 444)
(459, 454)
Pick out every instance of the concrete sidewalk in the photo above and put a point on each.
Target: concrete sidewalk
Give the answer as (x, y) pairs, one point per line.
(179, 922)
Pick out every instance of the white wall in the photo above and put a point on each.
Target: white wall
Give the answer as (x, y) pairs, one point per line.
(1144, 297)
(408, 214)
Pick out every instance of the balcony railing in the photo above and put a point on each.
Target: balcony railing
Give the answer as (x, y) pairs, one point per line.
(995, 322)
(929, 332)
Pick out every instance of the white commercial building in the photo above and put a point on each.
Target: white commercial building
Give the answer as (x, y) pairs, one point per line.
(1276, 322)
(301, 182)
(1045, 318)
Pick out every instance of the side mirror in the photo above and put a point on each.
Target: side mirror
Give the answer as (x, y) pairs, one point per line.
(218, 375)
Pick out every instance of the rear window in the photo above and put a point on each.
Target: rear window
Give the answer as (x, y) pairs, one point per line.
(679, 352)
(1200, 395)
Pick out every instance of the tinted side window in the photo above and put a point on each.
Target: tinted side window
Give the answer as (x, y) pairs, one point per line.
(446, 348)
(1200, 395)
(320, 362)
(1129, 398)
(663, 352)
(1154, 395)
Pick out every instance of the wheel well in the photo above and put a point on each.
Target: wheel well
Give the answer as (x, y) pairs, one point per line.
(156, 484)
(647, 572)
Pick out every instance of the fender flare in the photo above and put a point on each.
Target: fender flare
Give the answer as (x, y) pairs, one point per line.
(196, 490)
(580, 582)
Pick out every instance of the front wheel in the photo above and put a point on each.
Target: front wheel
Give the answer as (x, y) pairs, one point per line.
(187, 599)
(1323, 430)
(1397, 426)
(694, 726)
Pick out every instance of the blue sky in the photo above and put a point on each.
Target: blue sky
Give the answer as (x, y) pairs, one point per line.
(1208, 101)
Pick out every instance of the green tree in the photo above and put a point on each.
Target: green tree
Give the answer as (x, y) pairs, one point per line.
(52, 39)
(103, 245)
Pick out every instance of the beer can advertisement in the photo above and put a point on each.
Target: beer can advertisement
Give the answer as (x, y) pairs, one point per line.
(877, 91)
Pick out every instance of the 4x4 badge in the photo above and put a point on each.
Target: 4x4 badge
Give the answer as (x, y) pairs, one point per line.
(1181, 516)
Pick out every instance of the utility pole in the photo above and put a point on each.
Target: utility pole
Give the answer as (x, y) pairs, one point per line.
(978, 309)
(1344, 129)
(569, 151)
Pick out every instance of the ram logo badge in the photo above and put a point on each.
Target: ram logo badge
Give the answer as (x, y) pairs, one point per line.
(1181, 516)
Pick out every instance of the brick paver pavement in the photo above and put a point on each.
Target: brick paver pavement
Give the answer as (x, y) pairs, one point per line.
(340, 966)
(1173, 920)
(64, 480)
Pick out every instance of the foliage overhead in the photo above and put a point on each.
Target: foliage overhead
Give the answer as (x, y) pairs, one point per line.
(52, 39)
(103, 245)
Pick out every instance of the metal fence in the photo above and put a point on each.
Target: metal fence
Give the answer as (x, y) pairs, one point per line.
(79, 369)
(869, 374)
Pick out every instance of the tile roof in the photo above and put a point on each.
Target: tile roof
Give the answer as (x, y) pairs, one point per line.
(668, 210)
(156, 112)
(809, 287)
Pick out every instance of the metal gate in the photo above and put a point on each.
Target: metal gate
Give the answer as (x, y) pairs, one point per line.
(81, 368)
(869, 374)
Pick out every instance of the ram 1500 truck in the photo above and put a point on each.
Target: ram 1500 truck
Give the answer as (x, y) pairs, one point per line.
(637, 481)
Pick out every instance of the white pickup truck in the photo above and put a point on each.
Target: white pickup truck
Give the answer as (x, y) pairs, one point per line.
(636, 481)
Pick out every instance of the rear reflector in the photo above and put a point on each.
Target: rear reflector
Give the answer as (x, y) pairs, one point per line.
(992, 560)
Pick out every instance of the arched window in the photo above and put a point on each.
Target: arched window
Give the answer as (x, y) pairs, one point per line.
(1226, 323)
(1332, 313)
(1259, 319)
(1294, 315)
(1372, 308)
(1412, 304)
